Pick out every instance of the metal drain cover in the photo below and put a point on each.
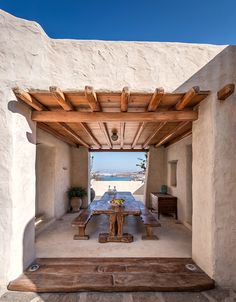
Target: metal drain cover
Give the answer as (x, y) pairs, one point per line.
(191, 267)
(33, 268)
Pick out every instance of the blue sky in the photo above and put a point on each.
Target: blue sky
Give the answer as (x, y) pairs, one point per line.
(202, 21)
(116, 161)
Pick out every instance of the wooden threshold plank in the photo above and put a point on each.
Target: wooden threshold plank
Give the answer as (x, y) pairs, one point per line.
(112, 274)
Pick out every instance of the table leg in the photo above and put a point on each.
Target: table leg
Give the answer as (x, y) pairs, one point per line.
(120, 224)
(112, 225)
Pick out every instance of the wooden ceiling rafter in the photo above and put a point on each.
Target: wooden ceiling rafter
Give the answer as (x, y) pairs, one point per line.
(72, 133)
(124, 100)
(155, 132)
(53, 132)
(122, 134)
(187, 98)
(171, 133)
(104, 130)
(138, 134)
(178, 138)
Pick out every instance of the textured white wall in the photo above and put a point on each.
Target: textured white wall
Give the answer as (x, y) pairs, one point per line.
(62, 173)
(178, 152)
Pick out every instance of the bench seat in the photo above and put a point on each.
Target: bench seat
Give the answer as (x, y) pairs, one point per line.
(81, 221)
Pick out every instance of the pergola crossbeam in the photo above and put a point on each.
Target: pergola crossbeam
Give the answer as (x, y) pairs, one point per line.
(92, 98)
(60, 97)
(106, 134)
(187, 98)
(225, 92)
(122, 134)
(124, 100)
(28, 99)
(156, 99)
(89, 133)
(100, 117)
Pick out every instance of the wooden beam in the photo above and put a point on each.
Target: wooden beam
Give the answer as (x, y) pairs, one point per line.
(72, 133)
(137, 136)
(92, 98)
(225, 92)
(118, 150)
(79, 117)
(122, 134)
(60, 97)
(124, 101)
(172, 133)
(158, 129)
(89, 133)
(187, 98)
(55, 133)
(28, 99)
(106, 134)
(156, 99)
(182, 136)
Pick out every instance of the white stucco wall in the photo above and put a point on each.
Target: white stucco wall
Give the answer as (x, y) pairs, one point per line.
(61, 178)
(155, 174)
(80, 171)
(178, 152)
(29, 59)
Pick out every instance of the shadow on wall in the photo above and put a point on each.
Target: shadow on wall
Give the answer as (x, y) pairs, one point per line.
(22, 109)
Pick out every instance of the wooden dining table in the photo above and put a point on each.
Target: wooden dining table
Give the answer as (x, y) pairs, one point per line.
(116, 215)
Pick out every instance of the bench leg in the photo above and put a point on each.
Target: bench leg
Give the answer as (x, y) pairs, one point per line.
(81, 235)
(149, 234)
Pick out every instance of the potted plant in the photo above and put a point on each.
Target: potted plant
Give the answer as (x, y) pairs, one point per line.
(76, 195)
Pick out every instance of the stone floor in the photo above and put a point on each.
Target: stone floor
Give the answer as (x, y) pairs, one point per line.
(216, 295)
(57, 240)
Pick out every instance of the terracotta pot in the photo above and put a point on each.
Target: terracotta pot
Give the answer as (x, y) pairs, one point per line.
(75, 203)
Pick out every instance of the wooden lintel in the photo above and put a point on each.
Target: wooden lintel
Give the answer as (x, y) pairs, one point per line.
(225, 92)
(55, 133)
(28, 99)
(119, 150)
(156, 99)
(92, 98)
(122, 134)
(72, 133)
(187, 98)
(60, 97)
(158, 129)
(106, 134)
(124, 101)
(137, 136)
(102, 117)
(177, 139)
(89, 133)
(171, 133)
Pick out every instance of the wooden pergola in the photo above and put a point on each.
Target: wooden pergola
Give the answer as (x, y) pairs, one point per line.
(89, 118)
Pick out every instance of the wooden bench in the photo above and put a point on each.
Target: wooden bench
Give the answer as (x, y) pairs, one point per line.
(81, 222)
(149, 222)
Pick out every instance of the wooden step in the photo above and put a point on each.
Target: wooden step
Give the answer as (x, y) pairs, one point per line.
(112, 274)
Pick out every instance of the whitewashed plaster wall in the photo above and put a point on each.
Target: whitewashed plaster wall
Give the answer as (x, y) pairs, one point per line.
(178, 152)
(155, 174)
(29, 59)
(61, 178)
(214, 173)
(80, 171)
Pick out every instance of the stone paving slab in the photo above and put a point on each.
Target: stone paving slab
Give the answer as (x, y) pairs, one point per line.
(216, 295)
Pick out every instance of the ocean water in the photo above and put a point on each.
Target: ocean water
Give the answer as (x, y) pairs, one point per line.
(115, 178)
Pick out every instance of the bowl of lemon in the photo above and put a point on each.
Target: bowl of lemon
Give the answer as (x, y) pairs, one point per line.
(117, 202)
